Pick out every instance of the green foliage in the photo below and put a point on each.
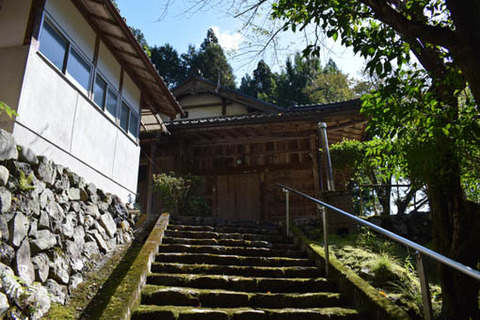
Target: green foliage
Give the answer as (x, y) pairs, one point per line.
(382, 269)
(262, 85)
(302, 81)
(176, 193)
(139, 36)
(168, 63)
(9, 111)
(210, 59)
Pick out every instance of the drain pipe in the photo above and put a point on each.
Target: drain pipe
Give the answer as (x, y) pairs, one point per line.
(322, 128)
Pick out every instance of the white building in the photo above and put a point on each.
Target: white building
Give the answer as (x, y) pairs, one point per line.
(80, 83)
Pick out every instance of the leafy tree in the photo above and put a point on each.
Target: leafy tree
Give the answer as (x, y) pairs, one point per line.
(330, 85)
(169, 65)
(296, 76)
(247, 86)
(141, 40)
(262, 85)
(178, 194)
(211, 61)
(353, 159)
(426, 110)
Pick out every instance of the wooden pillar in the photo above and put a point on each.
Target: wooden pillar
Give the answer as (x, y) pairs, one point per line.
(224, 106)
(150, 172)
(34, 23)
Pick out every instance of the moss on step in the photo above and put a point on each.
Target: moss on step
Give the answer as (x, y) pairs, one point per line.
(179, 313)
(238, 283)
(231, 250)
(251, 271)
(82, 299)
(210, 258)
(163, 295)
(127, 294)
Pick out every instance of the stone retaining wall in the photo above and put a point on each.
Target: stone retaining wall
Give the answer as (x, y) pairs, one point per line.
(54, 227)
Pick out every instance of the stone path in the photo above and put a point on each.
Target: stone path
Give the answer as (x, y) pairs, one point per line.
(237, 272)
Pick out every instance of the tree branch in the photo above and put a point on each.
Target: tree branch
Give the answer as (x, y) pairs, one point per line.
(412, 29)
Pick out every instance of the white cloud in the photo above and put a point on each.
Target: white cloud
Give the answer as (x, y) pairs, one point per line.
(229, 40)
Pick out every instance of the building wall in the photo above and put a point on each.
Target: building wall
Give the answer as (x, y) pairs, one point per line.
(131, 93)
(109, 66)
(58, 119)
(189, 102)
(13, 54)
(73, 24)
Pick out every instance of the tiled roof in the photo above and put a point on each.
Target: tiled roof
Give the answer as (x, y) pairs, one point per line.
(314, 112)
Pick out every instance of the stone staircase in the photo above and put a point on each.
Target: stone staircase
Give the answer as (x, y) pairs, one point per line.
(236, 272)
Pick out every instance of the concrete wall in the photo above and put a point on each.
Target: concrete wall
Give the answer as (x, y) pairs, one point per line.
(12, 68)
(58, 120)
(13, 54)
(131, 93)
(109, 66)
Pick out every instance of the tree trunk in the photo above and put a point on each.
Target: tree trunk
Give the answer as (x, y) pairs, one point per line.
(456, 235)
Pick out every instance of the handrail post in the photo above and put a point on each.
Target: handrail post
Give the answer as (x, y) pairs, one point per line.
(427, 301)
(325, 238)
(287, 210)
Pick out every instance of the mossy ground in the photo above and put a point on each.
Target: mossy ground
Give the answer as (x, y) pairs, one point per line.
(90, 297)
(390, 268)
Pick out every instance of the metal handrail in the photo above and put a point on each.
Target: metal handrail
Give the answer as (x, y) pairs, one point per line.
(420, 249)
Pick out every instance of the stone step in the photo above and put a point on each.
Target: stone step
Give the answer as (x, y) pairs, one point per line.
(145, 312)
(220, 222)
(244, 284)
(225, 229)
(181, 227)
(246, 271)
(179, 296)
(230, 242)
(225, 250)
(207, 258)
(219, 235)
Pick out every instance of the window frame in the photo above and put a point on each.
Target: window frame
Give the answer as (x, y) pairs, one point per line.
(48, 19)
(111, 88)
(94, 72)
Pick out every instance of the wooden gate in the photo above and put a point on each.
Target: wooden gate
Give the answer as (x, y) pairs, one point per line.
(238, 196)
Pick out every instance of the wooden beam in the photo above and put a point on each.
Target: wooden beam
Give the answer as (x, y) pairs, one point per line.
(104, 19)
(107, 34)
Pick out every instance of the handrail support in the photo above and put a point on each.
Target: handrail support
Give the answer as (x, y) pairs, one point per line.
(287, 210)
(325, 238)
(427, 301)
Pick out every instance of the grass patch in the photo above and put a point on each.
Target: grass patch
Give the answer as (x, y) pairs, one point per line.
(389, 267)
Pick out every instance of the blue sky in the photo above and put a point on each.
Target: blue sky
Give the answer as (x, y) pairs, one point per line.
(179, 28)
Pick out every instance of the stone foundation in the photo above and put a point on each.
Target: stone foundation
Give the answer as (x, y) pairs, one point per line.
(54, 227)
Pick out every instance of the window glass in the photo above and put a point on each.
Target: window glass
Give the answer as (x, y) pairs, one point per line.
(53, 46)
(78, 68)
(133, 126)
(124, 115)
(111, 104)
(99, 90)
